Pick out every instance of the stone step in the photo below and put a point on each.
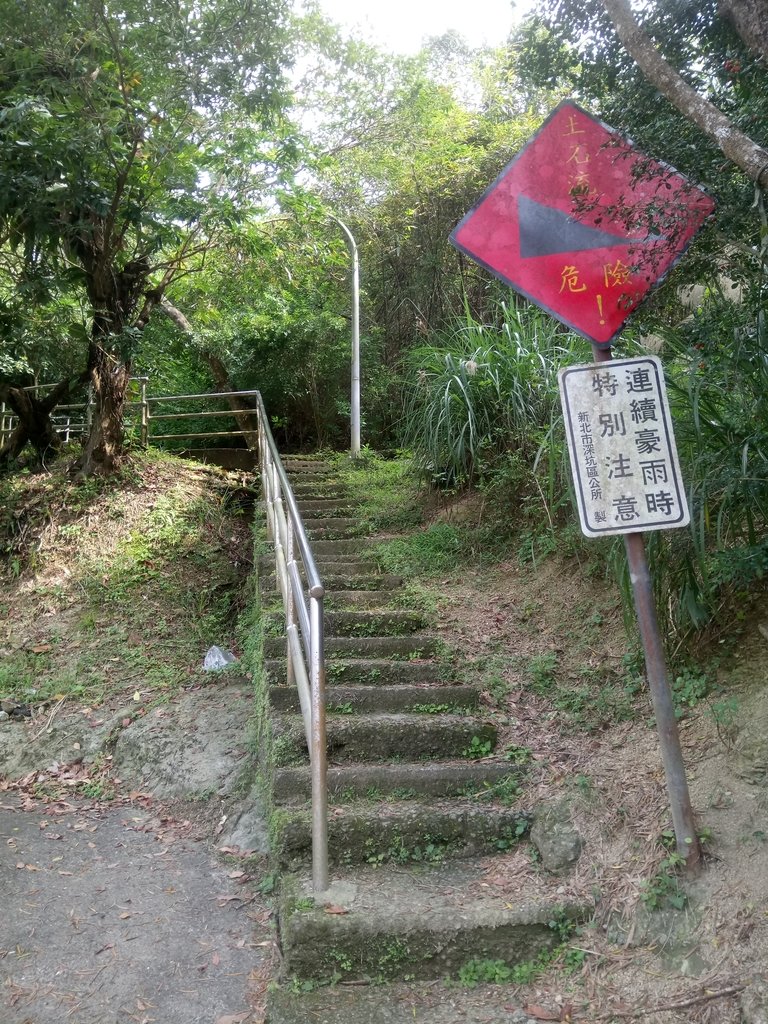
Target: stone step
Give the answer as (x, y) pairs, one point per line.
(332, 528)
(295, 462)
(326, 490)
(343, 599)
(389, 622)
(311, 507)
(381, 737)
(360, 700)
(340, 550)
(362, 574)
(364, 623)
(363, 580)
(400, 832)
(403, 781)
(423, 922)
(410, 648)
(365, 672)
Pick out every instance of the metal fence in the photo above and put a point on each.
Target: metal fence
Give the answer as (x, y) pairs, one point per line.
(146, 417)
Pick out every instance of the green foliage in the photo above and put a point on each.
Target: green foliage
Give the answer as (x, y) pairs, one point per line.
(689, 688)
(541, 672)
(427, 553)
(481, 397)
(124, 136)
(498, 972)
(663, 890)
(724, 713)
(477, 749)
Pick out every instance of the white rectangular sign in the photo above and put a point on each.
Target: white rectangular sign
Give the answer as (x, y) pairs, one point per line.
(623, 456)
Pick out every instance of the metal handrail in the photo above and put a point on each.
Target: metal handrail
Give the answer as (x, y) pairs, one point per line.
(303, 605)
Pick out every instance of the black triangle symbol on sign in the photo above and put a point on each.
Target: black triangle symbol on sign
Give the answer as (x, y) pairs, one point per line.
(545, 231)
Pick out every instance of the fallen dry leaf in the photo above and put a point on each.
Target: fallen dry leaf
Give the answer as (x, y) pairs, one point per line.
(331, 908)
(540, 1013)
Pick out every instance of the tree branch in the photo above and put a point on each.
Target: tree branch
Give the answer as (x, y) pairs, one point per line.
(738, 147)
(749, 20)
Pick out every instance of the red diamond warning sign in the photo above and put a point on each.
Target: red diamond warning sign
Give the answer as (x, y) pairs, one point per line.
(583, 224)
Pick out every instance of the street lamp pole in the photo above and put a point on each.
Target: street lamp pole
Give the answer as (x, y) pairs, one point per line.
(355, 389)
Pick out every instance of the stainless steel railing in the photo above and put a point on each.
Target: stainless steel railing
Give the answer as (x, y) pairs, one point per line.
(302, 592)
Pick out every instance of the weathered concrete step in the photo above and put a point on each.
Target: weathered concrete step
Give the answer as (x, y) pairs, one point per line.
(364, 580)
(318, 483)
(390, 622)
(311, 507)
(410, 648)
(366, 623)
(393, 1002)
(310, 462)
(380, 737)
(361, 575)
(336, 599)
(401, 832)
(355, 700)
(404, 781)
(324, 489)
(340, 550)
(333, 528)
(365, 672)
(423, 923)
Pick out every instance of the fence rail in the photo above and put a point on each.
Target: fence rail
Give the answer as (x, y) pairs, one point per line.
(73, 418)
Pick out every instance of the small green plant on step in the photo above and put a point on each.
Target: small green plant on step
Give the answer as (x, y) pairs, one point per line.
(477, 749)
(517, 755)
(342, 709)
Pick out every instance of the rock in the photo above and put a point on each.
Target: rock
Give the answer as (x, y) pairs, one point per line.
(4, 716)
(194, 747)
(248, 829)
(555, 836)
(751, 751)
(754, 1004)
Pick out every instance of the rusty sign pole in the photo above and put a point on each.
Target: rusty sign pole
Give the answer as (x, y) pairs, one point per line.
(687, 841)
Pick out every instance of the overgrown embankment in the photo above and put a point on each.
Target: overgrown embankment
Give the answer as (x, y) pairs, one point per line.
(118, 585)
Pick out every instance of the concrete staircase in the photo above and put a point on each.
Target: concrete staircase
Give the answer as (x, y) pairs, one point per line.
(416, 796)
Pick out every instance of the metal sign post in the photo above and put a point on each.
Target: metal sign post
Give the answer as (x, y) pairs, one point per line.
(686, 838)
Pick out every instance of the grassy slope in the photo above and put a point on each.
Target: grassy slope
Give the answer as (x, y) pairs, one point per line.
(116, 586)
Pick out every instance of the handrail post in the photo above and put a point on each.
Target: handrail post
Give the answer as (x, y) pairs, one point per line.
(144, 437)
(290, 610)
(318, 757)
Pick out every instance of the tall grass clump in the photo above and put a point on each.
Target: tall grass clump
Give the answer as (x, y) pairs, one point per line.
(478, 395)
(717, 375)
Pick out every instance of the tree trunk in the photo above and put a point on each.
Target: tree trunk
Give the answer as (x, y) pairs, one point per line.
(109, 378)
(244, 415)
(35, 426)
(738, 147)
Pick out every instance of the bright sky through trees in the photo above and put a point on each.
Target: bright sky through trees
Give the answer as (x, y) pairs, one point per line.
(402, 25)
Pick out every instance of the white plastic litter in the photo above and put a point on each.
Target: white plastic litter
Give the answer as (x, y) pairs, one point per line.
(216, 659)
